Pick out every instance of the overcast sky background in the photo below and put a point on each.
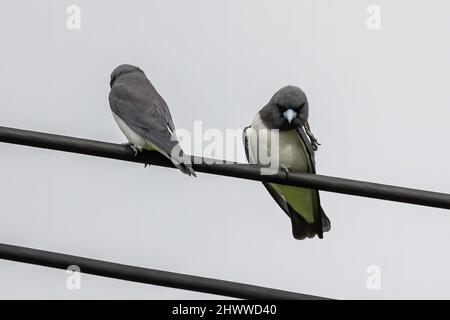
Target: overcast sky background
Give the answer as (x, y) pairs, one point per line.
(379, 104)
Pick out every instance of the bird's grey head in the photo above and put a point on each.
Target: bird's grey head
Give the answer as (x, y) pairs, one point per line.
(123, 69)
(288, 109)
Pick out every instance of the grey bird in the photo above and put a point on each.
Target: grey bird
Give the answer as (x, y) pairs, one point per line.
(143, 116)
(287, 111)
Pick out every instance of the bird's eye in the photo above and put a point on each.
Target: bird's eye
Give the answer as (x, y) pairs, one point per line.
(302, 105)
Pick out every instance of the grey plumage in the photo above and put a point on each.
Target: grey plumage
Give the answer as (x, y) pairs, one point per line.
(143, 115)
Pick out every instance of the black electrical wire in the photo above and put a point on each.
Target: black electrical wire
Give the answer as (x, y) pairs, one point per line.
(149, 276)
(237, 170)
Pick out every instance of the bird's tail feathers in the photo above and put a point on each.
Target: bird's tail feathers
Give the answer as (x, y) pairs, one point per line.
(186, 168)
(301, 229)
(182, 161)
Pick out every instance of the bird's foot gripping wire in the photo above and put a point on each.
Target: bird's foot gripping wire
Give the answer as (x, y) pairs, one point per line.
(133, 147)
(286, 170)
(314, 143)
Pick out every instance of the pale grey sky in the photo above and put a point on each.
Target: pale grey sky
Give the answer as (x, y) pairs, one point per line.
(378, 104)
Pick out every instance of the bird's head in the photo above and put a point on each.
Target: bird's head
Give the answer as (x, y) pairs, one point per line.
(123, 69)
(288, 109)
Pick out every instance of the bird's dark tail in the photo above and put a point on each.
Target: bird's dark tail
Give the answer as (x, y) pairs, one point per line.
(182, 161)
(301, 229)
(186, 168)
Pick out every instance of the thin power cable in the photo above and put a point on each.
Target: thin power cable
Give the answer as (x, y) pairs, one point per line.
(149, 276)
(236, 170)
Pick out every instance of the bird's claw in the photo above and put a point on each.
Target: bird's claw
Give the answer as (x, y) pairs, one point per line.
(314, 143)
(286, 170)
(135, 149)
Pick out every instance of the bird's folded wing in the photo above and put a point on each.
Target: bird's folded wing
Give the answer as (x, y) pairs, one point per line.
(319, 215)
(143, 117)
(309, 149)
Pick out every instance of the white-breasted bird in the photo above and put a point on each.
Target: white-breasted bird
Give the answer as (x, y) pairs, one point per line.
(144, 117)
(287, 113)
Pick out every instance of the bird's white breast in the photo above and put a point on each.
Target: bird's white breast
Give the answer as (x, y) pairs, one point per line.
(132, 136)
(290, 151)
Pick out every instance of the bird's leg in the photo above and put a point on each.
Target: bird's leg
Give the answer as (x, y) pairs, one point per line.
(133, 147)
(314, 143)
(136, 149)
(286, 170)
